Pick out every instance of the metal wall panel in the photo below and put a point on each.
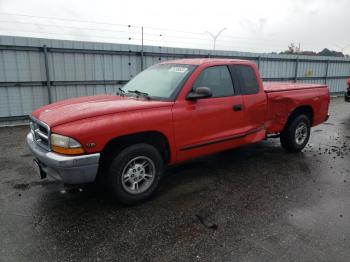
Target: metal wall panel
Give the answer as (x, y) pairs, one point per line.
(277, 69)
(69, 91)
(22, 62)
(339, 69)
(18, 101)
(21, 66)
(337, 85)
(310, 69)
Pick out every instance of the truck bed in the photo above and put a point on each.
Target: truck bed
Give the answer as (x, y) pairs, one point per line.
(270, 87)
(284, 97)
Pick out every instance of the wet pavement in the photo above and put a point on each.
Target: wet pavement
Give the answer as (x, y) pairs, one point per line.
(256, 203)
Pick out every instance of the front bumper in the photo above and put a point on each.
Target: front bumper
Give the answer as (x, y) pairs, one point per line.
(69, 169)
(347, 95)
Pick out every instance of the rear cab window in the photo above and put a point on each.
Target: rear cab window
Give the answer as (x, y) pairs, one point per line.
(244, 79)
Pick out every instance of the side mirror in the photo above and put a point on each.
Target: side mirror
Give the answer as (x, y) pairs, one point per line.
(199, 92)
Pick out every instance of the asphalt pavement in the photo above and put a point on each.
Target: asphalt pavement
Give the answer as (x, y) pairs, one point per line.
(256, 203)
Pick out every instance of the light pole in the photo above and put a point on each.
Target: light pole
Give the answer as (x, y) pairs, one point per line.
(343, 48)
(215, 36)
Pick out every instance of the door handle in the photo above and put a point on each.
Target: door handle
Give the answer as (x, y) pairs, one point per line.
(237, 108)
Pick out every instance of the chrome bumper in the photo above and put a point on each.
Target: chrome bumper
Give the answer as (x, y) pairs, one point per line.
(69, 169)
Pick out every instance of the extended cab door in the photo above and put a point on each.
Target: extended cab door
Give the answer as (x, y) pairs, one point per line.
(246, 79)
(212, 124)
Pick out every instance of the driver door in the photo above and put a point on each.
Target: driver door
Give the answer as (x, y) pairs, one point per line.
(208, 125)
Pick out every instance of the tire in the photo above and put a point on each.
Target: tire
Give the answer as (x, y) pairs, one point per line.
(135, 173)
(347, 95)
(296, 134)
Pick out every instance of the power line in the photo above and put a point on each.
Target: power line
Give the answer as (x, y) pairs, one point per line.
(227, 39)
(106, 37)
(128, 40)
(130, 26)
(75, 35)
(96, 22)
(133, 32)
(67, 26)
(67, 19)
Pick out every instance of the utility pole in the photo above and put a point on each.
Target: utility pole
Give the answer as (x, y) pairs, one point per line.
(141, 48)
(215, 36)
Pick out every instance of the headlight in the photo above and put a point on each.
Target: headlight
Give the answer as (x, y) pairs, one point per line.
(66, 145)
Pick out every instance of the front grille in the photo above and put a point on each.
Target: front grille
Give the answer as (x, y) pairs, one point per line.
(41, 133)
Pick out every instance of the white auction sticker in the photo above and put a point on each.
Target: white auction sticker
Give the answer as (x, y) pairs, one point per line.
(178, 69)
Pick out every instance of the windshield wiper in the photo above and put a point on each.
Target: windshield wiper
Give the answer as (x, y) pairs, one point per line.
(139, 93)
(121, 91)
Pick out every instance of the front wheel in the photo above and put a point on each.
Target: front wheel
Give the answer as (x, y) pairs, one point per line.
(135, 173)
(296, 134)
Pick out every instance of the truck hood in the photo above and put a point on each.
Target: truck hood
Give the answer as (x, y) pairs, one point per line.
(91, 106)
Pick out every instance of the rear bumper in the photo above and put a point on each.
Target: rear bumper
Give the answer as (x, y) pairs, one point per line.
(68, 169)
(347, 95)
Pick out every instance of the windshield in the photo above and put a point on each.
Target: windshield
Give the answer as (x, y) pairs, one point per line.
(159, 81)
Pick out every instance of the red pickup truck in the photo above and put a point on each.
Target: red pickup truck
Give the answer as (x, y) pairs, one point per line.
(172, 112)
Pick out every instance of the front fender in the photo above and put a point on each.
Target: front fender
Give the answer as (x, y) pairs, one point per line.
(94, 133)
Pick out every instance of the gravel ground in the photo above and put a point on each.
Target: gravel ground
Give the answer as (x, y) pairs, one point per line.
(256, 203)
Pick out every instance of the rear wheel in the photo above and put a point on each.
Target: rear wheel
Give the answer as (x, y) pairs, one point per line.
(134, 174)
(296, 134)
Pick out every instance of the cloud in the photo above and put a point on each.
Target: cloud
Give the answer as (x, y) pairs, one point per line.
(253, 25)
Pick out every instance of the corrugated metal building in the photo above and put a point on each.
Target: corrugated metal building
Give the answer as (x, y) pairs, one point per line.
(35, 72)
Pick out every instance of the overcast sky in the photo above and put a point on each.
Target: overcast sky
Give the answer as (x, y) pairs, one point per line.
(252, 25)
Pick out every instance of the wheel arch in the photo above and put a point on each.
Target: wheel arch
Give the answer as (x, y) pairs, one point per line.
(302, 109)
(117, 144)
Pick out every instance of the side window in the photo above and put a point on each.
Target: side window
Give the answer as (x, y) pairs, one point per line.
(218, 79)
(245, 78)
